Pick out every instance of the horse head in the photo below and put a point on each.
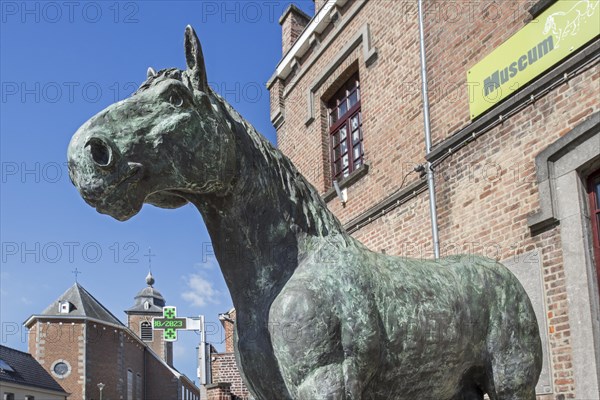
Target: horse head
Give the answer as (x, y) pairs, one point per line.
(168, 140)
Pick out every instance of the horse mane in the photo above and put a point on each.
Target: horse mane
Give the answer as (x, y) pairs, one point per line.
(309, 210)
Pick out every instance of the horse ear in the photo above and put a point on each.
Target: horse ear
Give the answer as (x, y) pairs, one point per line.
(195, 59)
(151, 72)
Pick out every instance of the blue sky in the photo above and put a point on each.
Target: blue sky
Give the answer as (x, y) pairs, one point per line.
(61, 63)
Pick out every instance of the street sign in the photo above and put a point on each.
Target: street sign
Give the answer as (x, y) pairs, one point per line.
(169, 323)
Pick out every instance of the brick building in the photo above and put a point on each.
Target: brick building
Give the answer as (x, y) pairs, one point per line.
(84, 346)
(226, 383)
(22, 377)
(517, 180)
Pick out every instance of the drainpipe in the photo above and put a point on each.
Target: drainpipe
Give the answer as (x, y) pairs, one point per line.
(430, 176)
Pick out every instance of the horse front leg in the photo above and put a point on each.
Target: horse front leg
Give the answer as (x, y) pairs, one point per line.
(325, 383)
(333, 382)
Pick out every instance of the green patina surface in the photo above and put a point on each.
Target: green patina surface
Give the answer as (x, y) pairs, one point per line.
(319, 315)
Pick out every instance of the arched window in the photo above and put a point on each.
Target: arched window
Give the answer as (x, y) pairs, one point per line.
(146, 331)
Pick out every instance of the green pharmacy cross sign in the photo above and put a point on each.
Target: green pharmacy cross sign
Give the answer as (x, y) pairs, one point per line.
(169, 323)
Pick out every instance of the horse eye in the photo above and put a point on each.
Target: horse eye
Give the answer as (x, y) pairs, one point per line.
(176, 100)
(101, 153)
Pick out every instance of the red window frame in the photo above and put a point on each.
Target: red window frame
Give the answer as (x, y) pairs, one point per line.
(345, 129)
(594, 198)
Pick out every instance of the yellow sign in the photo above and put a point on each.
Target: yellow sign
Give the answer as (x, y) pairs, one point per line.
(556, 33)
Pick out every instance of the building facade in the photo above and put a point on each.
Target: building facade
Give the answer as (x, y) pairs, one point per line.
(226, 381)
(517, 182)
(23, 378)
(89, 351)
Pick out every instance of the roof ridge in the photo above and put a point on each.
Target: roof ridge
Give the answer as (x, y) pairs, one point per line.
(16, 350)
(97, 302)
(84, 303)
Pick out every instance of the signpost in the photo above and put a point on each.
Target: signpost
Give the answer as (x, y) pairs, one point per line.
(170, 324)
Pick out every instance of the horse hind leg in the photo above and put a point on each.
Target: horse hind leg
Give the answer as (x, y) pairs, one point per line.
(523, 394)
(471, 384)
(470, 393)
(513, 377)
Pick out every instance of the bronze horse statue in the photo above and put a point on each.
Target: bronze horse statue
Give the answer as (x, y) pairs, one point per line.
(320, 316)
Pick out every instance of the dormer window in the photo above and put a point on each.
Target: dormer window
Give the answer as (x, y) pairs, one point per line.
(65, 307)
(146, 305)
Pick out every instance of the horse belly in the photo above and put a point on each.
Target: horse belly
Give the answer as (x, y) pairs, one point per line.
(426, 367)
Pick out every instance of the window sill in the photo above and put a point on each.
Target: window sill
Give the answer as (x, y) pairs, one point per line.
(348, 181)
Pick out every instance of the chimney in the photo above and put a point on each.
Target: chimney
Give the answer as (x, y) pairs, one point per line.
(293, 21)
(319, 4)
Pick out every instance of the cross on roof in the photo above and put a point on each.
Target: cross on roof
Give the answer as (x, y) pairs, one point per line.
(150, 255)
(76, 272)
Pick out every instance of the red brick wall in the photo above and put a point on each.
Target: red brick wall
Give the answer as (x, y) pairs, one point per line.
(486, 190)
(109, 353)
(291, 27)
(60, 340)
(162, 384)
(319, 4)
(228, 328)
(467, 31)
(218, 392)
(158, 345)
(224, 369)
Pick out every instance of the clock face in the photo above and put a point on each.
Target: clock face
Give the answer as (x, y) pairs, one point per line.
(61, 368)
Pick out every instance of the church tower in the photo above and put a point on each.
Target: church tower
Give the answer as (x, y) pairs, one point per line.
(148, 304)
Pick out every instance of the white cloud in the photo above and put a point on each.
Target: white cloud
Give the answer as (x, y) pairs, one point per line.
(200, 291)
(209, 263)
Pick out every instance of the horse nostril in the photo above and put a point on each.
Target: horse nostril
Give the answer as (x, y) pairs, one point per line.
(101, 153)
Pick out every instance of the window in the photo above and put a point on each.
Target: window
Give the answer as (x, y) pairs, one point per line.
(138, 386)
(65, 307)
(29, 397)
(9, 396)
(594, 197)
(345, 129)
(129, 384)
(146, 331)
(5, 367)
(60, 369)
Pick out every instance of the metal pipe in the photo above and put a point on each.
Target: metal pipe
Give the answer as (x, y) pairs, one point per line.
(430, 176)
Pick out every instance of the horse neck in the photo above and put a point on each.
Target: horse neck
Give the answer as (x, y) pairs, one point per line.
(269, 222)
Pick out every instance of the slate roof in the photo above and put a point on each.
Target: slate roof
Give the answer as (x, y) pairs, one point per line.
(26, 370)
(83, 305)
(155, 300)
(149, 295)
